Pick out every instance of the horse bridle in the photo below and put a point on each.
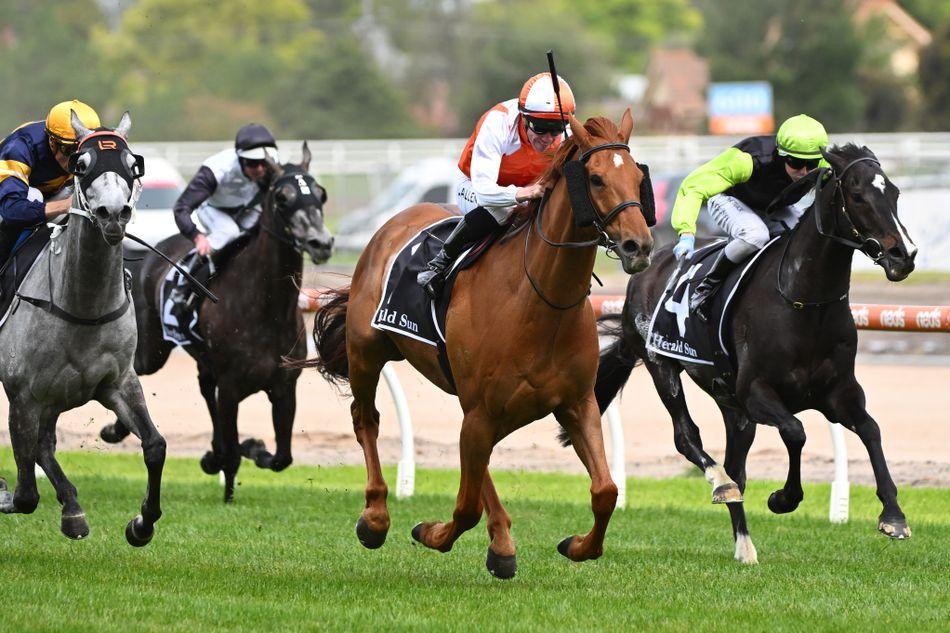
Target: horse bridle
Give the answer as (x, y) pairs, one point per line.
(861, 242)
(599, 221)
(283, 232)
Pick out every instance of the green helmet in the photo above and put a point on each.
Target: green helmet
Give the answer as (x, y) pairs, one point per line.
(801, 136)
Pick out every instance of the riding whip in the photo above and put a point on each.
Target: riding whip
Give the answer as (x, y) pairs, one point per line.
(557, 89)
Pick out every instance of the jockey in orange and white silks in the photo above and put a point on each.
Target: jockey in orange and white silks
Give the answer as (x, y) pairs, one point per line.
(511, 147)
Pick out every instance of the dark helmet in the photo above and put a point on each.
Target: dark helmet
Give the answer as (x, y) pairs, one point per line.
(251, 141)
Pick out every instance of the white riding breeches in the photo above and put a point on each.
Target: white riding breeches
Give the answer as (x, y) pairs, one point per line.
(748, 230)
(223, 227)
(465, 196)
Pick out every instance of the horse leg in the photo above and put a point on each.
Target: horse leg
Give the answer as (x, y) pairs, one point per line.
(666, 379)
(73, 521)
(373, 524)
(501, 560)
(283, 400)
(24, 432)
(228, 449)
(740, 431)
(848, 408)
(208, 385)
(764, 405)
(127, 401)
(582, 421)
(475, 446)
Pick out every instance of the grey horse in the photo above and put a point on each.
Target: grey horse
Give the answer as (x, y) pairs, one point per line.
(70, 336)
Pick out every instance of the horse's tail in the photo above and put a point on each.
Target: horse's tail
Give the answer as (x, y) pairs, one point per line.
(613, 371)
(329, 337)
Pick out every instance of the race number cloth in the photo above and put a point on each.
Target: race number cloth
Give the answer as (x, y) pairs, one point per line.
(405, 308)
(179, 322)
(678, 333)
(20, 263)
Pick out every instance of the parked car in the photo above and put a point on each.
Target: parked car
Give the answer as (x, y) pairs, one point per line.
(153, 220)
(430, 180)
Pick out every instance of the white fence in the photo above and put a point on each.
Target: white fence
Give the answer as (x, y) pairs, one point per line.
(908, 154)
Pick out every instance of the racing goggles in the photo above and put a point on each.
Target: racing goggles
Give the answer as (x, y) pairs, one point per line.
(66, 149)
(542, 127)
(797, 163)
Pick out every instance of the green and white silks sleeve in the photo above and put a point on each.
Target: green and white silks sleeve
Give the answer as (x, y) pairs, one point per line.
(723, 172)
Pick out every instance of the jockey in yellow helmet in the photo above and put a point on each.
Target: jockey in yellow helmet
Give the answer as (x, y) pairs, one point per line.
(34, 183)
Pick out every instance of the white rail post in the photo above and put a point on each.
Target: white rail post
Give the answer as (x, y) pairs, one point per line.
(406, 471)
(840, 489)
(618, 467)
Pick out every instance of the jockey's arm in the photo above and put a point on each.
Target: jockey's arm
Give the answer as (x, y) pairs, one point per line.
(487, 153)
(17, 205)
(723, 172)
(201, 187)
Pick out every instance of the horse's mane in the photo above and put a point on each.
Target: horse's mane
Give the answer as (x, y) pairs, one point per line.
(599, 127)
(850, 152)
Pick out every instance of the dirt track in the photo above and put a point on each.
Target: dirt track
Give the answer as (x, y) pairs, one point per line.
(907, 400)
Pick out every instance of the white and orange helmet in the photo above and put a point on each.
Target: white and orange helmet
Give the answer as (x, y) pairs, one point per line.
(537, 99)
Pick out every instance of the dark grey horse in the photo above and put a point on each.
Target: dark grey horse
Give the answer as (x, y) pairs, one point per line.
(793, 340)
(71, 336)
(255, 325)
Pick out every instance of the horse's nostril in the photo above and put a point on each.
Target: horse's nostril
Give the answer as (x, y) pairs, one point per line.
(630, 247)
(896, 252)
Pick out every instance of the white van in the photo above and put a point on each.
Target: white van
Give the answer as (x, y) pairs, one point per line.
(430, 180)
(153, 220)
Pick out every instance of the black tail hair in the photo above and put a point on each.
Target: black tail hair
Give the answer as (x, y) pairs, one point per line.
(329, 337)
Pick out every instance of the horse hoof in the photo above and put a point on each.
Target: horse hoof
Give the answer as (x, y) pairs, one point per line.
(504, 567)
(565, 545)
(369, 538)
(780, 504)
(251, 447)
(896, 529)
(417, 533)
(6, 501)
(137, 534)
(111, 434)
(727, 493)
(75, 526)
(210, 464)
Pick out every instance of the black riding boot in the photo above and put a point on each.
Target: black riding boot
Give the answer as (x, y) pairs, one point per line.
(711, 284)
(475, 225)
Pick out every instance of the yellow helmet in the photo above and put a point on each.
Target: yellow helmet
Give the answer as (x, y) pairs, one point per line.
(60, 127)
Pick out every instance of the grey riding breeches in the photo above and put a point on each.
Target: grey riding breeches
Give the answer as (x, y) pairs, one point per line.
(748, 230)
(223, 227)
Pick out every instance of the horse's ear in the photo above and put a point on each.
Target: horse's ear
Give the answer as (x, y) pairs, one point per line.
(274, 168)
(626, 126)
(305, 163)
(581, 136)
(81, 130)
(125, 124)
(836, 162)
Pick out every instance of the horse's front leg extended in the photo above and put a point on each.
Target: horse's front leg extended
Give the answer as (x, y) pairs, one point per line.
(501, 560)
(73, 521)
(582, 421)
(283, 399)
(847, 407)
(127, 401)
(24, 437)
(475, 446)
(764, 405)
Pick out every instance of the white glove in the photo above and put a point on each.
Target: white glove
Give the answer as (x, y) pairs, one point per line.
(34, 195)
(685, 247)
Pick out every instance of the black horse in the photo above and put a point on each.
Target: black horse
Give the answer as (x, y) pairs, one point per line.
(793, 340)
(256, 323)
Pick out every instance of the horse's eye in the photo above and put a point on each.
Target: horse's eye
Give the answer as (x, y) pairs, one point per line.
(857, 197)
(596, 180)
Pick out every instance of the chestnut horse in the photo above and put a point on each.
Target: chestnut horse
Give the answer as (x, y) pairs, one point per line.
(521, 341)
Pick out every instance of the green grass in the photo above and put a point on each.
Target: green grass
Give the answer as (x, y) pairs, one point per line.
(284, 557)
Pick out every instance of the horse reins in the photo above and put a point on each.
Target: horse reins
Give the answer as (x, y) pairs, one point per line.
(832, 235)
(600, 223)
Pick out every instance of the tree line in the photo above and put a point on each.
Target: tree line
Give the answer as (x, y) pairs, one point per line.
(325, 69)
